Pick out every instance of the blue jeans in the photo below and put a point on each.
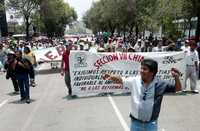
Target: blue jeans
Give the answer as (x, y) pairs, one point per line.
(23, 81)
(140, 126)
(2, 62)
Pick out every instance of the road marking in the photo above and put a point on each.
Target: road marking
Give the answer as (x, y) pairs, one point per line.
(119, 115)
(3, 103)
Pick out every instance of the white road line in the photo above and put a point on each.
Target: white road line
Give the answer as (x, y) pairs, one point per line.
(3, 103)
(119, 115)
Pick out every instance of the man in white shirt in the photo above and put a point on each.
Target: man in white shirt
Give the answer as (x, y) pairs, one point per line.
(192, 66)
(158, 48)
(138, 46)
(146, 94)
(185, 47)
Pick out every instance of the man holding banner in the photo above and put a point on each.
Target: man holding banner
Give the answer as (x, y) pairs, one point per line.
(65, 68)
(146, 94)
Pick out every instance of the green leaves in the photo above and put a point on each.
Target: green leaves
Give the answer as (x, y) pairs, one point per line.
(110, 15)
(50, 16)
(55, 14)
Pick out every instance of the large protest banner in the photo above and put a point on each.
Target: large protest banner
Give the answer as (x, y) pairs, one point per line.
(49, 54)
(86, 69)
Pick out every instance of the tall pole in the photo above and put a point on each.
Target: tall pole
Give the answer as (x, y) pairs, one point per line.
(3, 21)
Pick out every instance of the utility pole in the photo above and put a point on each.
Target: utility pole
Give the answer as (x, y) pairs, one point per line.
(3, 21)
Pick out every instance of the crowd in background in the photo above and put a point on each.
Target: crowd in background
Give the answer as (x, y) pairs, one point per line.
(17, 56)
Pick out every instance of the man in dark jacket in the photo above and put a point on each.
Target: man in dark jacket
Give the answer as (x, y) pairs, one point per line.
(10, 72)
(23, 69)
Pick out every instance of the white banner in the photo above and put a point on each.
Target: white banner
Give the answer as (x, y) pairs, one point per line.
(86, 69)
(49, 54)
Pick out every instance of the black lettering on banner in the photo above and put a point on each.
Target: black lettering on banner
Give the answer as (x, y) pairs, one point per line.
(83, 88)
(169, 60)
(100, 82)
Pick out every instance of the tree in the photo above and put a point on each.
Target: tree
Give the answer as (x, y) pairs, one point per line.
(110, 15)
(25, 8)
(55, 15)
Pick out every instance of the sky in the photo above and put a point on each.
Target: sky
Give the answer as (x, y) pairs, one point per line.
(80, 6)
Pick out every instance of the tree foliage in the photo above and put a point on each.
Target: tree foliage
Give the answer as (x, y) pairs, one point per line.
(110, 15)
(55, 14)
(25, 8)
(124, 15)
(48, 16)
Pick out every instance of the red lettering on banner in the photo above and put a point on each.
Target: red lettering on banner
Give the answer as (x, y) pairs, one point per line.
(50, 56)
(115, 57)
(60, 50)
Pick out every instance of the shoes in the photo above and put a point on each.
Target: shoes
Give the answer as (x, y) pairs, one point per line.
(184, 91)
(195, 92)
(33, 84)
(28, 101)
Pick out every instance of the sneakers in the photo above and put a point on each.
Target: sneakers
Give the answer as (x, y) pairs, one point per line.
(33, 84)
(195, 92)
(184, 91)
(28, 101)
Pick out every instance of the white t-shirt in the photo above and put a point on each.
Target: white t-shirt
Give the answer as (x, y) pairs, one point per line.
(156, 49)
(191, 57)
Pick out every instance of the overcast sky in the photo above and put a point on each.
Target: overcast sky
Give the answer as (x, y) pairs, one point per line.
(81, 6)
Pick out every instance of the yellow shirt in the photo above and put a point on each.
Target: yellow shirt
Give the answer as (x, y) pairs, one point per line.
(31, 57)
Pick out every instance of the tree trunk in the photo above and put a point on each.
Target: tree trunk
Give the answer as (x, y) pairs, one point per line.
(124, 31)
(3, 21)
(136, 31)
(198, 28)
(131, 30)
(190, 26)
(27, 28)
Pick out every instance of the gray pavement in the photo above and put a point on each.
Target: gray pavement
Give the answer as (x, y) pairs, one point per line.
(52, 110)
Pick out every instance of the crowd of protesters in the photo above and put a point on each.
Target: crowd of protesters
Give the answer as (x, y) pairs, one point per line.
(12, 50)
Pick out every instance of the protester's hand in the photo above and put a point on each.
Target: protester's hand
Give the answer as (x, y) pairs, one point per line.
(175, 72)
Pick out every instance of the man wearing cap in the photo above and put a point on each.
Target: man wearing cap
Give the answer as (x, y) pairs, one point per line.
(192, 67)
(146, 94)
(185, 47)
(10, 72)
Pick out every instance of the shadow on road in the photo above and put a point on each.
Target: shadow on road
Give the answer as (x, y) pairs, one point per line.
(21, 102)
(96, 96)
(186, 93)
(13, 94)
(48, 71)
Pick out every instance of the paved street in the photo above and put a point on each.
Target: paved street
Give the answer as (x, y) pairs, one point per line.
(52, 110)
